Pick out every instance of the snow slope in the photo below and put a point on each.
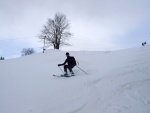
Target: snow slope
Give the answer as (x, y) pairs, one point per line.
(117, 82)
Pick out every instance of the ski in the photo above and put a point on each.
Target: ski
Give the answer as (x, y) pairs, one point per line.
(63, 75)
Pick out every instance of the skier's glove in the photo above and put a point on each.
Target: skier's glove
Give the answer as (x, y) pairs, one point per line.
(59, 64)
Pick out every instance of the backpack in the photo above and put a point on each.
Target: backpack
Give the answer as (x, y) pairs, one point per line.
(73, 61)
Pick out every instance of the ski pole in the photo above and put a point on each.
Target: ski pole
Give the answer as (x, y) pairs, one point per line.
(82, 70)
(61, 69)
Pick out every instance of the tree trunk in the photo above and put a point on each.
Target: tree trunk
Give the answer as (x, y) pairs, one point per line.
(57, 46)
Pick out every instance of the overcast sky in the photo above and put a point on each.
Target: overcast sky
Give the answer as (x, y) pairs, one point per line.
(96, 24)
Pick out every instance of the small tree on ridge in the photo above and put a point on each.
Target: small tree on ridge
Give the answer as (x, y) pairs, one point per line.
(27, 51)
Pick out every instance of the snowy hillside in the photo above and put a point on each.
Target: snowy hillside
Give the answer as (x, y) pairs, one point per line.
(117, 82)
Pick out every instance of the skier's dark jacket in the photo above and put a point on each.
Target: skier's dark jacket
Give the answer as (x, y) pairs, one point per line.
(70, 60)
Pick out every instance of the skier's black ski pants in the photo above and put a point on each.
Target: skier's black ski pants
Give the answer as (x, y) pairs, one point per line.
(69, 67)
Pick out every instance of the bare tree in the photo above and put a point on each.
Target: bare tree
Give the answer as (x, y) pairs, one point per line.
(27, 51)
(56, 32)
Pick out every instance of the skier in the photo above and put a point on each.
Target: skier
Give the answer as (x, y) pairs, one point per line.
(71, 63)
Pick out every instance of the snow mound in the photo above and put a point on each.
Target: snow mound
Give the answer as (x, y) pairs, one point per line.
(117, 82)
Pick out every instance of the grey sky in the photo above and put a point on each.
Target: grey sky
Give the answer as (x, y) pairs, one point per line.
(96, 24)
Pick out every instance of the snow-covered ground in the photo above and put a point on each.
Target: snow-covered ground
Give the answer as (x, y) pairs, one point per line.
(117, 82)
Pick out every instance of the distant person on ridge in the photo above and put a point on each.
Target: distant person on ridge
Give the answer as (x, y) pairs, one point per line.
(71, 63)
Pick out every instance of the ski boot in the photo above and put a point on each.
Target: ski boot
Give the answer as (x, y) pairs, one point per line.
(72, 73)
(66, 74)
